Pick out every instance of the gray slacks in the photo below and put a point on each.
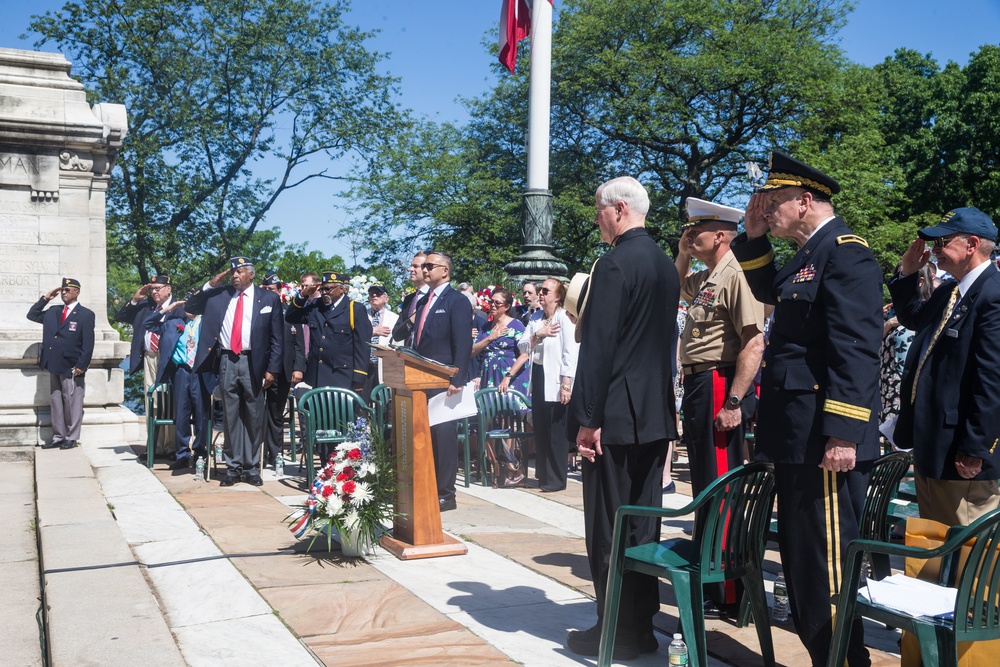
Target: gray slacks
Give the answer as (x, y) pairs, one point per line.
(243, 413)
(66, 400)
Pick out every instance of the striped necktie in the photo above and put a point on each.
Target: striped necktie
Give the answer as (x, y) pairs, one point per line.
(948, 310)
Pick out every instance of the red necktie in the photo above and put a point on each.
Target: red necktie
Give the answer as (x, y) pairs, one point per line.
(423, 316)
(236, 339)
(65, 313)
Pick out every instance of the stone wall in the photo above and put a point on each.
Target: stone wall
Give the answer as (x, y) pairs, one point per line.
(56, 159)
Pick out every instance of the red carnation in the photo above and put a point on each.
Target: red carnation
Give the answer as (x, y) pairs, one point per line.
(354, 454)
(327, 491)
(348, 487)
(344, 476)
(324, 475)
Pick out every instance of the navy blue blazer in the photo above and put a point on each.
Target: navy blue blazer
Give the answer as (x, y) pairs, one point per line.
(169, 328)
(67, 345)
(266, 325)
(137, 315)
(339, 341)
(957, 406)
(447, 334)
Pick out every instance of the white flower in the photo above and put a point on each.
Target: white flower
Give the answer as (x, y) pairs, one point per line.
(334, 505)
(362, 494)
(351, 519)
(348, 445)
(367, 468)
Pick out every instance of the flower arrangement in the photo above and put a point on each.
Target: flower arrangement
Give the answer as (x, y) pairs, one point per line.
(358, 287)
(353, 492)
(288, 292)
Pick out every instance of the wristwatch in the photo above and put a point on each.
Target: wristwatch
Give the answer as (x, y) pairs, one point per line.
(733, 402)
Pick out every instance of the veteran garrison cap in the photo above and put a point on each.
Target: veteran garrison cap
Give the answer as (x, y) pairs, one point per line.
(700, 211)
(160, 280)
(962, 221)
(239, 262)
(271, 278)
(378, 288)
(335, 278)
(70, 282)
(784, 171)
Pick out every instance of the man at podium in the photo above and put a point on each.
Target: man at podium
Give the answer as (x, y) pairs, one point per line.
(443, 332)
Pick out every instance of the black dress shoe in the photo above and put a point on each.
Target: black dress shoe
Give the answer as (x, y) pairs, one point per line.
(51, 445)
(229, 479)
(181, 464)
(627, 646)
(554, 489)
(445, 505)
(67, 444)
(252, 478)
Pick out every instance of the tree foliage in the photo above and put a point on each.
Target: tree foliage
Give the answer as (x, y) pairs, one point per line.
(213, 88)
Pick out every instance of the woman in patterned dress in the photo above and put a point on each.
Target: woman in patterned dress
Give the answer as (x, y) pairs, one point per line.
(498, 344)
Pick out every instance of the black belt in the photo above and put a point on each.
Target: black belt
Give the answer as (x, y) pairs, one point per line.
(707, 366)
(233, 356)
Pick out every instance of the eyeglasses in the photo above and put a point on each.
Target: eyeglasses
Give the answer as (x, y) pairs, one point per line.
(544, 290)
(156, 289)
(944, 241)
(328, 288)
(499, 303)
(427, 266)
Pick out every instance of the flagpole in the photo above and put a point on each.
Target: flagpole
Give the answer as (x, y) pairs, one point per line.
(536, 261)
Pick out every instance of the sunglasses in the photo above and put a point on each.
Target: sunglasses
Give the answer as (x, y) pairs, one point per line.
(944, 241)
(427, 266)
(499, 303)
(544, 290)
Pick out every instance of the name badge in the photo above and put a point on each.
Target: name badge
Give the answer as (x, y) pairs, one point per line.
(72, 326)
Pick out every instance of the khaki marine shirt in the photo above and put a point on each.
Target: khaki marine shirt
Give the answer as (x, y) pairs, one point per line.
(720, 305)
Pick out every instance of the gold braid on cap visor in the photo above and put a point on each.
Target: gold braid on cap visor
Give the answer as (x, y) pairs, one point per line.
(782, 180)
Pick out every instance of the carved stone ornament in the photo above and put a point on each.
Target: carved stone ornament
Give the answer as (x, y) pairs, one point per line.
(72, 162)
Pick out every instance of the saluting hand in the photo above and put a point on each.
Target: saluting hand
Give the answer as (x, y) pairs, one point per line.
(51, 294)
(753, 220)
(307, 291)
(219, 277)
(173, 306)
(915, 257)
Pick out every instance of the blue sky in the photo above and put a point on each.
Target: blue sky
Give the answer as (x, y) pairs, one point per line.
(435, 47)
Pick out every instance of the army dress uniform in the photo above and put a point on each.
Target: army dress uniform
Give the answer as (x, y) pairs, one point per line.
(819, 380)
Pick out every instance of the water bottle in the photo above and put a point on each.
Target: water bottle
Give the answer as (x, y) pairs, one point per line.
(218, 452)
(780, 611)
(677, 652)
(199, 469)
(279, 467)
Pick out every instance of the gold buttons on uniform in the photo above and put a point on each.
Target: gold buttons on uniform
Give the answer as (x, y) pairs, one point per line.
(763, 364)
(779, 299)
(816, 387)
(795, 295)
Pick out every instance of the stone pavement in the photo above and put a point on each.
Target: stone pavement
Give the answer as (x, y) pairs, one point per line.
(153, 566)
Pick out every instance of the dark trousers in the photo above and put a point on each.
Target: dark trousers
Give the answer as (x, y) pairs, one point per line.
(549, 425)
(275, 401)
(624, 475)
(818, 514)
(191, 405)
(243, 413)
(711, 453)
(444, 440)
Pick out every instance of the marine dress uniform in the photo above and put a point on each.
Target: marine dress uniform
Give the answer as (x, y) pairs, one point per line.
(819, 380)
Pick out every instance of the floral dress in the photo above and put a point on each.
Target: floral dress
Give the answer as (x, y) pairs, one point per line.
(499, 356)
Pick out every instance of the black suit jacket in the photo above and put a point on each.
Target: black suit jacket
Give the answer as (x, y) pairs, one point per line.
(821, 363)
(67, 345)
(623, 384)
(266, 323)
(403, 328)
(447, 334)
(294, 351)
(957, 406)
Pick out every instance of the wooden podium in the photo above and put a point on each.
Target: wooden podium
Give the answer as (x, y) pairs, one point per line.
(416, 528)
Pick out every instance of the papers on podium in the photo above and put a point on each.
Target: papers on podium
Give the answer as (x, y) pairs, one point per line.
(444, 408)
(914, 597)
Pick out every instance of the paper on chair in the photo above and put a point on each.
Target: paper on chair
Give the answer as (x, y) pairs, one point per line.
(444, 408)
(914, 597)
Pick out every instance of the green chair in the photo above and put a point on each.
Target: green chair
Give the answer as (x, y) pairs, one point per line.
(728, 543)
(329, 412)
(976, 606)
(501, 417)
(883, 484)
(462, 429)
(159, 412)
(382, 409)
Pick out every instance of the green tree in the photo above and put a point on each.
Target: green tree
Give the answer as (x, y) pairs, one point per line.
(212, 88)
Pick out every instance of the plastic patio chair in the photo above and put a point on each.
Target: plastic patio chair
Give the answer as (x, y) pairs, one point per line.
(976, 603)
(329, 412)
(501, 417)
(731, 529)
(883, 484)
(159, 413)
(382, 408)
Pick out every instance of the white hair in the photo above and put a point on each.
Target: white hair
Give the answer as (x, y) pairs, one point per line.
(625, 189)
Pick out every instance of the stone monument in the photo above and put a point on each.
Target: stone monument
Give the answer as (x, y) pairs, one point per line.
(56, 157)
